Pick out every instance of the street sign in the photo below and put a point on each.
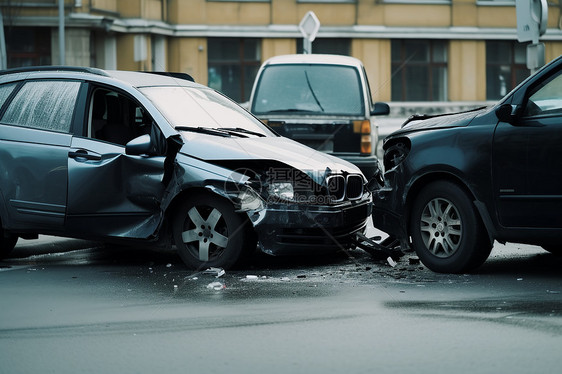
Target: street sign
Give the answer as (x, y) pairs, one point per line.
(532, 18)
(309, 27)
(535, 56)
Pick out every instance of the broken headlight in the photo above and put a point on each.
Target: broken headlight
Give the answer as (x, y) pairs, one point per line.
(396, 153)
(281, 190)
(249, 199)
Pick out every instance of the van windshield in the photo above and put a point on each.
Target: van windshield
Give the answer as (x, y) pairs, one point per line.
(309, 88)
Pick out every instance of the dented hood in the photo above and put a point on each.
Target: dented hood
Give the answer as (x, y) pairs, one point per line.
(214, 148)
(422, 123)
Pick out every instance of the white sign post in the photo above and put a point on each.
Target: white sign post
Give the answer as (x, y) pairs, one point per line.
(532, 18)
(309, 27)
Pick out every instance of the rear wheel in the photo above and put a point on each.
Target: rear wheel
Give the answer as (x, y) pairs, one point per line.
(446, 231)
(209, 233)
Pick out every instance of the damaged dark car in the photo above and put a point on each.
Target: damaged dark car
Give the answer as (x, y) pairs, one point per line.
(131, 157)
(456, 183)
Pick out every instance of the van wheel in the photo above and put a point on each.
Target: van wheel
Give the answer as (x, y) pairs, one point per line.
(208, 232)
(7, 242)
(446, 231)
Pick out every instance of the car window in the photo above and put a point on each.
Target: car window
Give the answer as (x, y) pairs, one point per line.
(322, 89)
(197, 107)
(116, 118)
(547, 99)
(5, 91)
(45, 105)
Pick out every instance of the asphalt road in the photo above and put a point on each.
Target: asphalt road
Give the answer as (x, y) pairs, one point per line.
(70, 306)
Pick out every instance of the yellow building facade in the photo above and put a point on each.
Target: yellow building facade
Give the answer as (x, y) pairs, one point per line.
(413, 50)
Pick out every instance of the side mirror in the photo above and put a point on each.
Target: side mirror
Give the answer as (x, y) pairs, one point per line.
(139, 146)
(505, 113)
(380, 109)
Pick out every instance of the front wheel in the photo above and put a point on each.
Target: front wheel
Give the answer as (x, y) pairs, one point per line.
(208, 232)
(446, 232)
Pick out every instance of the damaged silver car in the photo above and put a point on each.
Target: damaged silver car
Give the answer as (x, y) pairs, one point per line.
(119, 156)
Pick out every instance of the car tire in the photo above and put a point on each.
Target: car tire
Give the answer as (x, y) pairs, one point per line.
(7, 242)
(446, 231)
(209, 233)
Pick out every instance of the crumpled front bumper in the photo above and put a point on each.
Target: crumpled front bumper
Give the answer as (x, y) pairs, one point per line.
(385, 217)
(308, 229)
(389, 208)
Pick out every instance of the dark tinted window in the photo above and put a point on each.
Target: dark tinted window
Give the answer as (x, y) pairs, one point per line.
(506, 67)
(419, 70)
(331, 46)
(45, 105)
(322, 89)
(233, 65)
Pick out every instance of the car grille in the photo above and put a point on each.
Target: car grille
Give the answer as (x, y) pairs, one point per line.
(341, 187)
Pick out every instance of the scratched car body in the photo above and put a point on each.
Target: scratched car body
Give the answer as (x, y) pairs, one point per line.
(123, 156)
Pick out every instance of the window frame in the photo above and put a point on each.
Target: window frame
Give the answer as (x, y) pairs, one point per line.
(429, 66)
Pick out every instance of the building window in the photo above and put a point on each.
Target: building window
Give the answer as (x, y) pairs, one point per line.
(28, 46)
(331, 46)
(233, 65)
(419, 70)
(506, 67)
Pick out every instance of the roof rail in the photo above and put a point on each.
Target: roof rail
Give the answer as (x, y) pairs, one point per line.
(184, 76)
(77, 69)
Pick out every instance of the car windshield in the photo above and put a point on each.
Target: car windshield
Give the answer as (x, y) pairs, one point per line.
(195, 107)
(312, 88)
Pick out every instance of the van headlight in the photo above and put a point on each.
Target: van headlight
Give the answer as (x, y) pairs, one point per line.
(281, 190)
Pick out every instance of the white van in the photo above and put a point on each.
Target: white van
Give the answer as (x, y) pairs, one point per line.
(322, 101)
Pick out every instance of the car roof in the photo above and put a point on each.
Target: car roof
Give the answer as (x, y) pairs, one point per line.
(131, 78)
(314, 59)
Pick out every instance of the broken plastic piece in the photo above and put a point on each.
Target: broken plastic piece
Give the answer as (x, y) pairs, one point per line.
(390, 261)
(217, 272)
(217, 286)
(387, 248)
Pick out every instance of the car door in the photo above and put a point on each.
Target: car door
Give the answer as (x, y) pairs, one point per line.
(111, 193)
(34, 143)
(528, 160)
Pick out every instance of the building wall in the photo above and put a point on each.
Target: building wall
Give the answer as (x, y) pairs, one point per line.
(374, 55)
(467, 63)
(188, 55)
(184, 26)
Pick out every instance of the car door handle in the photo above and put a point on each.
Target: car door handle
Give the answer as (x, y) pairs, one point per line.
(83, 155)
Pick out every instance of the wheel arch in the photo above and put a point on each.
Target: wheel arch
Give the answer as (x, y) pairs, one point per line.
(186, 193)
(481, 209)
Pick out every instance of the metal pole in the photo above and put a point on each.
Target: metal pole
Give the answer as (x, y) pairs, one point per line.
(61, 33)
(3, 56)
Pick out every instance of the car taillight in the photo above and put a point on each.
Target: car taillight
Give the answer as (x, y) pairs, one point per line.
(364, 128)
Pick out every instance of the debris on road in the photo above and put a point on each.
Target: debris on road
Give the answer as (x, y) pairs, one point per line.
(217, 272)
(217, 286)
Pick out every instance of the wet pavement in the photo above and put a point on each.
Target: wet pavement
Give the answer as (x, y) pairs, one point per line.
(74, 306)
